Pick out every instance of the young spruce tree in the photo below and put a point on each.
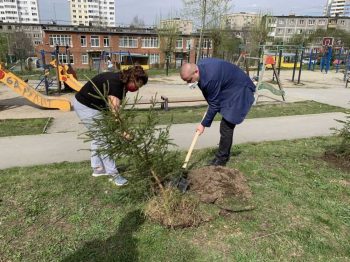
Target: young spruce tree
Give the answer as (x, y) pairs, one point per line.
(138, 141)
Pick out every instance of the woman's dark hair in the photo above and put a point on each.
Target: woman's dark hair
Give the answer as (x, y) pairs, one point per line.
(134, 73)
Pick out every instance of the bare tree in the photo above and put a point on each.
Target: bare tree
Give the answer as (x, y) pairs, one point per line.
(207, 15)
(21, 46)
(3, 47)
(257, 35)
(168, 34)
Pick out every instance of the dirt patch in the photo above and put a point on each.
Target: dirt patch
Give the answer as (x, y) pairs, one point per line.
(342, 182)
(222, 186)
(213, 191)
(342, 162)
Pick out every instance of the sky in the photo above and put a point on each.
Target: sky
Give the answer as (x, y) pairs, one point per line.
(150, 11)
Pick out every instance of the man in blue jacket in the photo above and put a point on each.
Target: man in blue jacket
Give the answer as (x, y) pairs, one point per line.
(228, 91)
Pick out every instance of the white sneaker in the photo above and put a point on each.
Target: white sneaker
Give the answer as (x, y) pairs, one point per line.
(118, 180)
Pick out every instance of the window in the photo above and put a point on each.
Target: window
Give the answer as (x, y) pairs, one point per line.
(204, 55)
(154, 59)
(63, 58)
(62, 40)
(179, 43)
(301, 22)
(106, 41)
(150, 42)
(83, 40)
(290, 31)
(188, 44)
(206, 43)
(84, 59)
(95, 41)
(128, 41)
(311, 21)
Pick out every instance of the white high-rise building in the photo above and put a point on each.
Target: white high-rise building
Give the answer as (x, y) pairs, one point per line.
(19, 11)
(92, 12)
(337, 8)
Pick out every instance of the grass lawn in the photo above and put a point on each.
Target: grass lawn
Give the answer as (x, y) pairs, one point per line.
(20, 127)
(59, 212)
(182, 115)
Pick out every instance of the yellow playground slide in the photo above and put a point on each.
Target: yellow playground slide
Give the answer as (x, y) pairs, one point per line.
(25, 90)
(65, 76)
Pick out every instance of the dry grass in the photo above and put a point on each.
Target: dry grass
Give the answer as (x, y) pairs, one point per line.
(174, 210)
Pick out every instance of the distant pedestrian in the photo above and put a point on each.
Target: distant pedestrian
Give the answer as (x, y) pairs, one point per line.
(109, 64)
(228, 91)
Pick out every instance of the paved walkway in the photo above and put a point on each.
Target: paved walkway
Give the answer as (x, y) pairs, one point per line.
(59, 147)
(62, 143)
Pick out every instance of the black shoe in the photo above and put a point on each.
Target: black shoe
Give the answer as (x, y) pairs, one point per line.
(217, 162)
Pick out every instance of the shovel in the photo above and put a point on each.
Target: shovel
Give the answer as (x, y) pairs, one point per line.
(189, 153)
(194, 141)
(182, 183)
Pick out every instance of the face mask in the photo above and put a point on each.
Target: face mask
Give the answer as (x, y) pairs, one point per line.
(193, 85)
(132, 89)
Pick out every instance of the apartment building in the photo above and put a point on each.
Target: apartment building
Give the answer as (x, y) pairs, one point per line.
(183, 26)
(92, 12)
(285, 27)
(19, 11)
(240, 21)
(32, 31)
(337, 8)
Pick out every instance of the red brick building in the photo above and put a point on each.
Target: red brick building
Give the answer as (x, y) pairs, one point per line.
(90, 46)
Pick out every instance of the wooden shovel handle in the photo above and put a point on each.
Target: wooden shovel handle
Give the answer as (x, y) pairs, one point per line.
(189, 153)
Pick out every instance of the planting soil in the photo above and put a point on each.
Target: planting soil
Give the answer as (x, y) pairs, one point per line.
(212, 191)
(222, 186)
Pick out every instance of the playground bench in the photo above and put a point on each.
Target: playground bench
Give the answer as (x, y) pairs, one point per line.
(166, 101)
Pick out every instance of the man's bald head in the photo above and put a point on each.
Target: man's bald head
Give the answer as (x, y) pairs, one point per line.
(189, 72)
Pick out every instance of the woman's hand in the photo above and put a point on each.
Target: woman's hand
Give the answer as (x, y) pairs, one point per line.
(127, 136)
(114, 103)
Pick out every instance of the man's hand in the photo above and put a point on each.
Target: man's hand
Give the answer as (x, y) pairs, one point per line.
(200, 129)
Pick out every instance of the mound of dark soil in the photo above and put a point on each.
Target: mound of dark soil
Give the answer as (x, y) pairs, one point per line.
(215, 184)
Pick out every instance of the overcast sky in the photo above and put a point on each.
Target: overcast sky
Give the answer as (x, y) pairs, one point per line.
(151, 10)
